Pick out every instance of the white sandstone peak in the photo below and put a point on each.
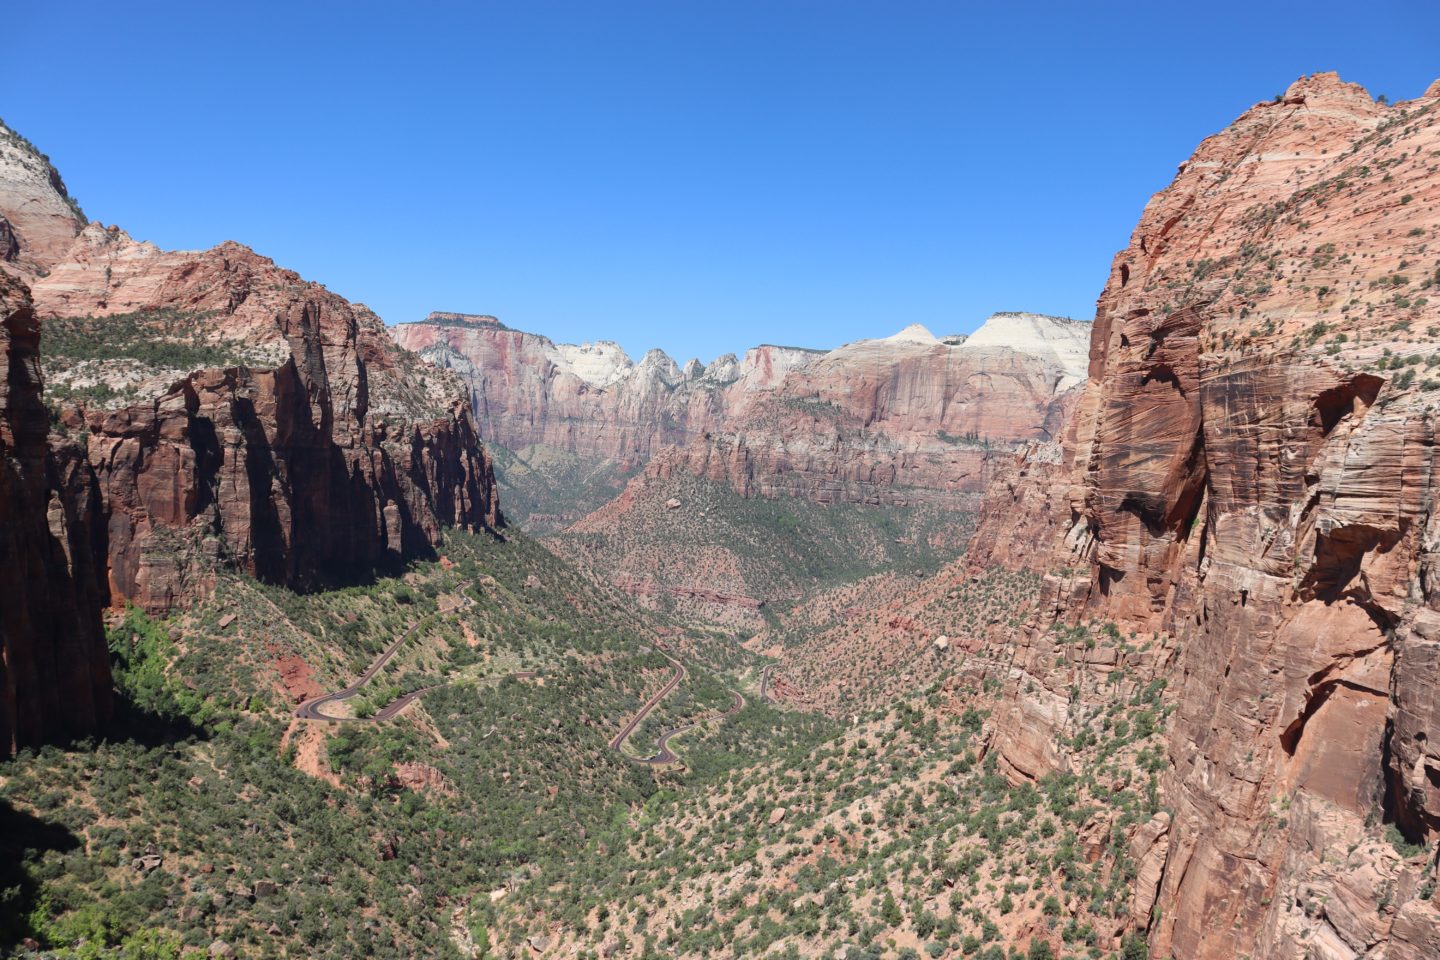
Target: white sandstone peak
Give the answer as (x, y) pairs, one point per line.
(600, 364)
(915, 333)
(1060, 340)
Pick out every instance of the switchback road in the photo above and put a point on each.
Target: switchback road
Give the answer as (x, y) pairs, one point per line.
(310, 709)
(663, 754)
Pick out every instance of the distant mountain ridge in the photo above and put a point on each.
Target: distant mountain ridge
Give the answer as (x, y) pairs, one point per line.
(908, 397)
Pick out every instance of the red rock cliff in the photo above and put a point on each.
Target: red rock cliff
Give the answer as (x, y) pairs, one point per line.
(54, 667)
(592, 399)
(1250, 478)
(340, 458)
(319, 452)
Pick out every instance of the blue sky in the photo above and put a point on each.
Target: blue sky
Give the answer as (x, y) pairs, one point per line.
(700, 176)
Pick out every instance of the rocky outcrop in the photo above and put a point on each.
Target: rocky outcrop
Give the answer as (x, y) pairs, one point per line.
(38, 217)
(317, 451)
(1249, 481)
(229, 467)
(54, 666)
(904, 420)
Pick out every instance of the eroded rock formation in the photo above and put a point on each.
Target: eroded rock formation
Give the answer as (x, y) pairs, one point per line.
(1249, 484)
(314, 452)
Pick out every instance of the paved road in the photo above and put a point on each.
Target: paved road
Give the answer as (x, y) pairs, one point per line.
(310, 709)
(650, 705)
(765, 684)
(663, 754)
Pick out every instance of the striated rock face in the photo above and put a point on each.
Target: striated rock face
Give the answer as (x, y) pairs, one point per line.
(54, 667)
(315, 451)
(229, 467)
(904, 419)
(1249, 479)
(38, 218)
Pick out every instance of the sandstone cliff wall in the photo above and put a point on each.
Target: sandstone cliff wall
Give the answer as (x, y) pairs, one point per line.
(1248, 489)
(315, 452)
(900, 420)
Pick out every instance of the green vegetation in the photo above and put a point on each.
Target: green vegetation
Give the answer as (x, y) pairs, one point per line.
(545, 490)
(778, 551)
(894, 828)
(210, 815)
(126, 348)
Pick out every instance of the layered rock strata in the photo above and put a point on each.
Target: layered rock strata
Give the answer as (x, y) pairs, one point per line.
(904, 419)
(244, 416)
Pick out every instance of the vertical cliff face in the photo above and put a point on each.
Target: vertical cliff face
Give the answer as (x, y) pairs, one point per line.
(54, 667)
(1251, 481)
(236, 414)
(591, 399)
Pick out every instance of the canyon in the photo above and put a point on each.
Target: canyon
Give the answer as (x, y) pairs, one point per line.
(1120, 635)
(670, 483)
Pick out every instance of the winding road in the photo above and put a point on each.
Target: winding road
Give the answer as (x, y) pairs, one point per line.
(650, 705)
(663, 754)
(310, 709)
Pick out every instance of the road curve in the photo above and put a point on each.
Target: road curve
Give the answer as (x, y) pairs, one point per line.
(663, 754)
(650, 705)
(765, 684)
(310, 709)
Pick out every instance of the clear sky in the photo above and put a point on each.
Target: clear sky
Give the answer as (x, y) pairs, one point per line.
(700, 176)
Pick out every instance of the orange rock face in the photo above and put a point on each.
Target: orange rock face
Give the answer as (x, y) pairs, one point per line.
(1249, 478)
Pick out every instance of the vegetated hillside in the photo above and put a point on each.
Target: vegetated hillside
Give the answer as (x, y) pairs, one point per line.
(546, 490)
(212, 814)
(898, 838)
(903, 419)
(1249, 478)
(698, 550)
(862, 646)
